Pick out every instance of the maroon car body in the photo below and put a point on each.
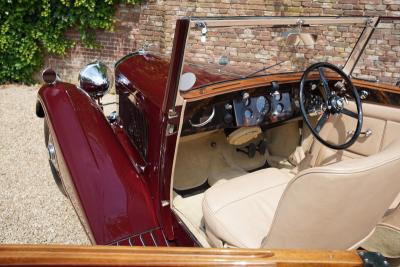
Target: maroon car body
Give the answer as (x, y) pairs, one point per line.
(117, 191)
(121, 189)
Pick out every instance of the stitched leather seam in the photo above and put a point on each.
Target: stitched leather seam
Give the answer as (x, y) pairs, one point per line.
(247, 196)
(220, 224)
(379, 164)
(383, 135)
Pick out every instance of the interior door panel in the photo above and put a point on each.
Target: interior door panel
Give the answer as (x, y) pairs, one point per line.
(383, 122)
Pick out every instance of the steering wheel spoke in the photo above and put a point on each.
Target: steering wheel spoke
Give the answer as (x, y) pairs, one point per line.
(327, 91)
(321, 122)
(350, 113)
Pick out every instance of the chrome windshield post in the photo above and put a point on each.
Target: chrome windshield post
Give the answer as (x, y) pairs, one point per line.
(360, 45)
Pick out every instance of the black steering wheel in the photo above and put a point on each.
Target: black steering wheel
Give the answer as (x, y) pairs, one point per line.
(333, 102)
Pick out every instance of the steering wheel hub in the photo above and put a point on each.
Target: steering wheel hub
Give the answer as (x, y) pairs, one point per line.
(336, 103)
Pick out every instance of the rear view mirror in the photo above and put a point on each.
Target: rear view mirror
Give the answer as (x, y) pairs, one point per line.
(301, 39)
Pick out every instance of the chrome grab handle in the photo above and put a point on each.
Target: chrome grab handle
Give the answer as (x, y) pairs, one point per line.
(367, 132)
(204, 122)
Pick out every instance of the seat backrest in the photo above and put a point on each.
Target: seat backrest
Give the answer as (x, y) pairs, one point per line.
(336, 206)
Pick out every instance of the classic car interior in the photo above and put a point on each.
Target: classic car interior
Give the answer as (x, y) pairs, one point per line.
(255, 176)
(307, 162)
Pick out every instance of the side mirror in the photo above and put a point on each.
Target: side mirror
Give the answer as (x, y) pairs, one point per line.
(49, 76)
(301, 39)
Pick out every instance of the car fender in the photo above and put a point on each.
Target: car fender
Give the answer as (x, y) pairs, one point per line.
(109, 195)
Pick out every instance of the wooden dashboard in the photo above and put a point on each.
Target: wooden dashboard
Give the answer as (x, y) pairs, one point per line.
(262, 106)
(226, 102)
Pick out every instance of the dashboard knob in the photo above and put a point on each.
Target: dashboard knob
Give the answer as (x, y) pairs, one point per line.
(228, 106)
(276, 95)
(228, 118)
(246, 98)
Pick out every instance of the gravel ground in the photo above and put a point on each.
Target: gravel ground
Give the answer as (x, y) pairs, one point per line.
(32, 210)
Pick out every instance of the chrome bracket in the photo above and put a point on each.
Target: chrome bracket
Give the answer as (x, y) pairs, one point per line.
(203, 26)
(370, 23)
(172, 114)
(171, 125)
(171, 129)
(164, 203)
(300, 23)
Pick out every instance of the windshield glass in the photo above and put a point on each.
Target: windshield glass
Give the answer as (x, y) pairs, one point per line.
(380, 60)
(236, 52)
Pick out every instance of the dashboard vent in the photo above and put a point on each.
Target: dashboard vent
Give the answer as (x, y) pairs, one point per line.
(134, 123)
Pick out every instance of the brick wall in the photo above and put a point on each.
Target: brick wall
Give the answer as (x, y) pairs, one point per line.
(153, 22)
(381, 58)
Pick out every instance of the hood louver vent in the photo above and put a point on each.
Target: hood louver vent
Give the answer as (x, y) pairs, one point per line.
(134, 123)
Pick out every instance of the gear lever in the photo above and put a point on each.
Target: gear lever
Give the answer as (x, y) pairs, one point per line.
(252, 148)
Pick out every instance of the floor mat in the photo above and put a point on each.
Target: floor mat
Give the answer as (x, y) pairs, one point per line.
(385, 240)
(208, 157)
(386, 237)
(193, 191)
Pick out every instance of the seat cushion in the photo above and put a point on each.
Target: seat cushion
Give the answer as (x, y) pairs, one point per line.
(239, 212)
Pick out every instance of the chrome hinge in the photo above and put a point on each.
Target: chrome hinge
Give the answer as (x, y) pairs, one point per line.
(172, 114)
(171, 129)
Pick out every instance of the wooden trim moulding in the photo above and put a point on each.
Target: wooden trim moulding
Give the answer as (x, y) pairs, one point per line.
(63, 255)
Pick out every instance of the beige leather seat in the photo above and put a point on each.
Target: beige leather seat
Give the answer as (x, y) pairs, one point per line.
(328, 207)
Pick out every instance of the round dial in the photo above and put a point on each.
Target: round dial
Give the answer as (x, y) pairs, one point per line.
(248, 114)
(261, 102)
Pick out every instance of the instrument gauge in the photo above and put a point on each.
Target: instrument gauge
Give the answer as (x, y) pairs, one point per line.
(248, 114)
(261, 104)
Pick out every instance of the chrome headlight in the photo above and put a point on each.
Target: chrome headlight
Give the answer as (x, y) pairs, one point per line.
(96, 79)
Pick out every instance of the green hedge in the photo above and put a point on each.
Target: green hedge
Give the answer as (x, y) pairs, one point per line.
(30, 28)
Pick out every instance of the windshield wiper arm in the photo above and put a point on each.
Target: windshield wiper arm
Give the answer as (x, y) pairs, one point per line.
(265, 68)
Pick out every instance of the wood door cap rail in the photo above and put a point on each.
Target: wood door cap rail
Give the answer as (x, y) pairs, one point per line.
(66, 255)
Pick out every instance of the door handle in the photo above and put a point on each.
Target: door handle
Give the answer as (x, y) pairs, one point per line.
(367, 133)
